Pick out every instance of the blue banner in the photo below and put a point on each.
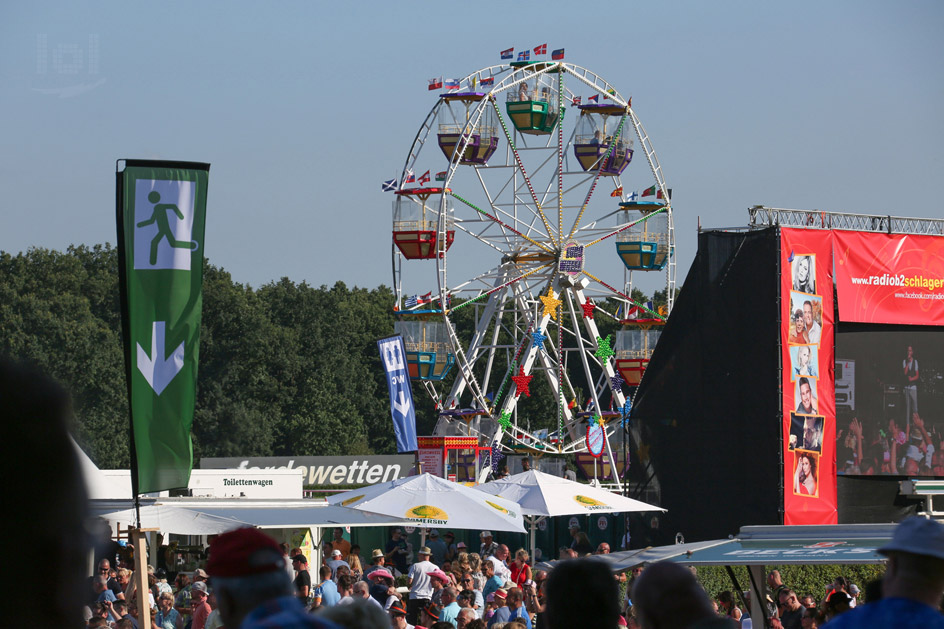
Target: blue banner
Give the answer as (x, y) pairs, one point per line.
(393, 353)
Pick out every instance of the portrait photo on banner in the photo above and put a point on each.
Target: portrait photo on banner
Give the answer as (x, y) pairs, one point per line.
(805, 396)
(805, 473)
(806, 432)
(809, 308)
(803, 271)
(804, 361)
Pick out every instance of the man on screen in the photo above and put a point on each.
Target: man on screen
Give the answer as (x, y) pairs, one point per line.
(806, 398)
(813, 329)
(910, 389)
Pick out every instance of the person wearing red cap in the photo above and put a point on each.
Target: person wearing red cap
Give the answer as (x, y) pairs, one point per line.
(252, 588)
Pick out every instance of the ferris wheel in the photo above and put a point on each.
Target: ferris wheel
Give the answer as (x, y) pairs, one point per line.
(512, 215)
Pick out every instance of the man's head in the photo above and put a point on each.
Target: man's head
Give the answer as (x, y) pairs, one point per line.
(423, 553)
(361, 590)
(300, 562)
(502, 552)
(466, 615)
(104, 566)
(806, 393)
(434, 534)
(581, 589)
(603, 549)
(377, 557)
(248, 569)
(338, 534)
(395, 533)
(667, 595)
(488, 569)
(465, 598)
(515, 598)
(198, 592)
(915, 567)
(99, 584)
(807, 600)
(486, 537)
(789, 601)
(397, 613)
(808, 314)
(345, 585)
(448, 596)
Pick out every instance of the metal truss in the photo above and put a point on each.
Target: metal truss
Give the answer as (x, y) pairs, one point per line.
(762, 216)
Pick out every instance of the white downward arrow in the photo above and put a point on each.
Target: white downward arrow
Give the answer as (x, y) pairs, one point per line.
(157, 370)
(402, 405)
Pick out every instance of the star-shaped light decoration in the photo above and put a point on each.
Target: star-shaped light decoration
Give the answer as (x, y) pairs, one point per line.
(505, 420)
(617, 381)
(537, 339)
(551, 303)
(627, 407)
(588, 309)
(598, 419)
(603, 348)
(522, 383)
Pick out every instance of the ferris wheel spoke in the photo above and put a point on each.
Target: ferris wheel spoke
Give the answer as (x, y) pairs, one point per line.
(524, 173)
(626, 226)
(499, 221)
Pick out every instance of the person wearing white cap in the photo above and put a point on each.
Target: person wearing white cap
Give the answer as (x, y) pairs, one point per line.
(913, 582)
(488, 547)
(335, 562)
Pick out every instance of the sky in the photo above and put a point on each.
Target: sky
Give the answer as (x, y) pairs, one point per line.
(304, 108)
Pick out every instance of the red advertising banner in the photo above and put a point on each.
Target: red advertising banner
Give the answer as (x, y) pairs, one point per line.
(890, 278)
(809, 404)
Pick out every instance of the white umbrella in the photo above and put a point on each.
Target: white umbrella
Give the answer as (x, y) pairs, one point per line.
(543, 495)
(431, 501)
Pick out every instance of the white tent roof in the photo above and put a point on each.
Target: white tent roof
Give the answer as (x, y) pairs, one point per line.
(99, 486)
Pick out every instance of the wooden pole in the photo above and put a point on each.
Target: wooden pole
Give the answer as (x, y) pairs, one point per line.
(139, 543)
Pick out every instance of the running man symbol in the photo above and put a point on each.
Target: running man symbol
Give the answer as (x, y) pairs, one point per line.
(159, 216)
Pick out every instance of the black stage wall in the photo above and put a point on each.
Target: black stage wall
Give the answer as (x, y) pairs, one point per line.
(708, 407)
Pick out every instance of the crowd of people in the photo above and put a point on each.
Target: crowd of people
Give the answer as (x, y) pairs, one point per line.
(251, 581)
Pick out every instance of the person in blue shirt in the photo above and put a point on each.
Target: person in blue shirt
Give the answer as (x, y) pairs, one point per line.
(913, 582)
(492, 581)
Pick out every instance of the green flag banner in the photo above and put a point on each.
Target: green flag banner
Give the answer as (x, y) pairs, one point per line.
(161, 215)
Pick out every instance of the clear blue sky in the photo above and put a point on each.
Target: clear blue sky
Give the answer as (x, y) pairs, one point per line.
(303, 108)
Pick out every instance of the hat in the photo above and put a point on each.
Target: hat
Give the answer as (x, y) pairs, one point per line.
(854, 589)
(377, 553)
(425, 551)
(461, 545)
(501, 593)
(398, 608)
(485, 534)
(380, 572)
(335, 553)
(439, 574)
(432, 610)
(199, 586)
(200, 572)
(918, 536)
(300, 557)
(434, 533)
(230, 554)
(449, 534)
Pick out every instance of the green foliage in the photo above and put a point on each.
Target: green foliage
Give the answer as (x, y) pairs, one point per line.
(803, 579)
(287, 369)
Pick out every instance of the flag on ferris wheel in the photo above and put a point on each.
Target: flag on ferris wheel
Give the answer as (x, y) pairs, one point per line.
(540, 50)
(435, 84)
(648, 192)
(632, 196)
(489, 80)
(389, 185)
(660, 196)
(508, 54)
(424, 178)
(558, 54)
(524, 55)
(441, 176)
(452, 84)
(594, 99)
(409, 178)
(618, 192)
(576, 100)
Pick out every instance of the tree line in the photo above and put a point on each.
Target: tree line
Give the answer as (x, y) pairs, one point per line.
(287, 369)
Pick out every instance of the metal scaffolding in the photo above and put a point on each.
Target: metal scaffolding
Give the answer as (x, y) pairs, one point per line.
(762, 216)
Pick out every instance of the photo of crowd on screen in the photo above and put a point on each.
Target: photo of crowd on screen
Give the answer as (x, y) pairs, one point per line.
(886, 427)
(803, 271)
